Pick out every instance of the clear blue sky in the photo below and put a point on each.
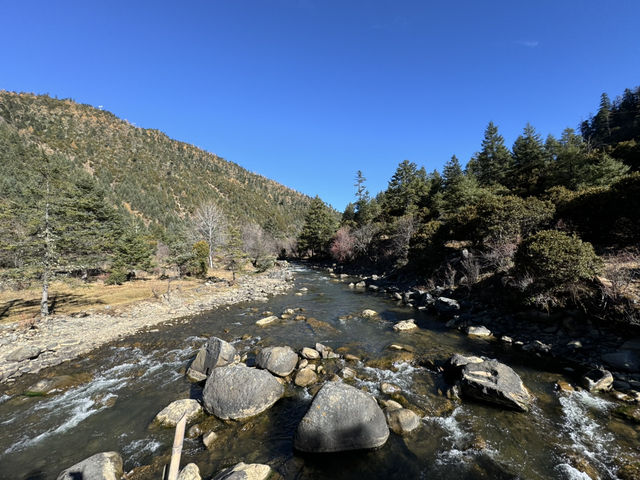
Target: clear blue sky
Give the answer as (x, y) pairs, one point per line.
(309, 91)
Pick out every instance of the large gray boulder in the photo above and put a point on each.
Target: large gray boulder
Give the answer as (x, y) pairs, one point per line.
(236, 392)
(215, 353)
(495, 382)
(341, 418)
(101, 466)
(280, 361)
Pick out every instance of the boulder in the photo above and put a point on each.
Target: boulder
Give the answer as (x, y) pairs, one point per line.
(402, 421)
(368, 313)
(280, 361)
(597, 380)
(190, 472)
(215, 353)
(21, 354)
(389, 388)
(310, 353)
(236, 392)
(101, 466)
(243, 471)
(305, 377)
(341, 418)
(479, 331)
(624, 360)
(172, 413)
(405, 325)
(495, 382)
(266, 320)
(446, 305)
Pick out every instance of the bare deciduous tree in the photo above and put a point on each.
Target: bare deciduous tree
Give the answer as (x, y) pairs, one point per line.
(211, 226)
(257, 243)
(342, 247)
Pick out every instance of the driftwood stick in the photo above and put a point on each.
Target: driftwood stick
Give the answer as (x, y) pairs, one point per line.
(176, 451)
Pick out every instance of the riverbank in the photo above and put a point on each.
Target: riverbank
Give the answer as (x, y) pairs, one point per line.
(59, 338)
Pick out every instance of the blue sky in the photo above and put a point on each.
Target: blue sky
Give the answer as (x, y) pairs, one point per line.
(307, 92)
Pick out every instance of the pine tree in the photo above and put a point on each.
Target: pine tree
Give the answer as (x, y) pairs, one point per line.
(407, 191)
(493, 163)
(317, 230)
(530, 162)
(460, 189)
(365, 209)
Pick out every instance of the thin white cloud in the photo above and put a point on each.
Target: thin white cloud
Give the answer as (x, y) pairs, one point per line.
(528, 43)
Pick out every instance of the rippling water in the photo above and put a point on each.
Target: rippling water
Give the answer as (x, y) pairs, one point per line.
(135, 378)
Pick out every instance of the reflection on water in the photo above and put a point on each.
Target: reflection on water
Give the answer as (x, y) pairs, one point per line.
(135, 378)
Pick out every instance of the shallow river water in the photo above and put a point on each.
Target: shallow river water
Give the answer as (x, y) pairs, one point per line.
(133, 379)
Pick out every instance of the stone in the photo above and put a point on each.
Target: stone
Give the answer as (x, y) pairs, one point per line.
(190, 472)
(389, 388)
(624, 360)
(208, 439)
(310, 353)
(305, 377)
(280, 361)
(496, 383)
(351, 358)
(402, 421)
(266, 320)
(361, 285)
(323, 350)
(215, 353)
(368, 313)
(236, 392)
(446, 305)
(303, 363)
(405, 325)
(347, 372)
(172, 413)
(21, 354)
(564, 386)
(479, 331)
(597, 380)
(341, 418)
(243, 471)
(101, 466)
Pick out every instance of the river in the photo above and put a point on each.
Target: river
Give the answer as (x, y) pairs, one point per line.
(133, 379)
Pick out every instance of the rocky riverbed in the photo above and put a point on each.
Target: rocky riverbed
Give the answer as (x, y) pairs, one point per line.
(59, 338)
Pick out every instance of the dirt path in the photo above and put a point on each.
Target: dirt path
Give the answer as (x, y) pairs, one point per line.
(59, 338)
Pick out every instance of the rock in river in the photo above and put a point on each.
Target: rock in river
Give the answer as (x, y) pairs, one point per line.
(402, 421)
(405, 325)
(215, 353)
(495, 382)
(190, 472)
(101, 466)
(172, 413)
(243, 471)
(341, 418)
(280, 361)
(236, 392)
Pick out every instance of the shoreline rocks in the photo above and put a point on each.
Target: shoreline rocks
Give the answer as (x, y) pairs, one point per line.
(101, 466)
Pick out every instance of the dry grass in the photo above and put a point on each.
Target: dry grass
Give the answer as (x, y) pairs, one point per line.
(67, 297)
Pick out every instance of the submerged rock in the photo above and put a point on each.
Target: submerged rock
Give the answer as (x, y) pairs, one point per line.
(215, 353)
(101, 466)
(405, 325)
(172, 413)
(495, 382)
(236, 392)
(243, 471)
(341, 418)
(280, 361)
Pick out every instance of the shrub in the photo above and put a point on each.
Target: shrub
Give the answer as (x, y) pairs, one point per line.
(557, 263)
(117, 277)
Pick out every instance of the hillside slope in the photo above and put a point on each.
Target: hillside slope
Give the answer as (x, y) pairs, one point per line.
(158, 179)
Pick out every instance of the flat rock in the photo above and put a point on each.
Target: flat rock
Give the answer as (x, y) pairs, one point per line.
(310, 353)
(172, 413)
(266, 320)
(237, 391)
(243, 471)
(190, 472)
(101, 466)
(495, 382)
(21, 354)
(341, 418)
(215, 353)
(280, 361)
(402, 421)
(405, 325)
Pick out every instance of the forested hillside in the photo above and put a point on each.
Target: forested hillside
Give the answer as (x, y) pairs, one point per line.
(548, 222)
(82, 189)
